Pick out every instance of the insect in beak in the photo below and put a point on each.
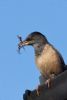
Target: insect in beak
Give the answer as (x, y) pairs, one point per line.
(20, 43)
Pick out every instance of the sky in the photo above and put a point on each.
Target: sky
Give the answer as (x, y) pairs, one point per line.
(18, 72)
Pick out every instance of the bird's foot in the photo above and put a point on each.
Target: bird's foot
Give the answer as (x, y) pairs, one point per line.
(48, 83)
(39, 89)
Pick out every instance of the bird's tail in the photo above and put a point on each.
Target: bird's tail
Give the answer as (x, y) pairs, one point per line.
(65, 67)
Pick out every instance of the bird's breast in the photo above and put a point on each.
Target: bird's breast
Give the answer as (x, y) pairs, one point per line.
(42, 64)
(48, 61)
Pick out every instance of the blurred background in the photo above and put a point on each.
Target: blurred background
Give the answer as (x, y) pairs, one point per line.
(18, 72)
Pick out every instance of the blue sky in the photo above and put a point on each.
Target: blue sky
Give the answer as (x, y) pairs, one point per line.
(19, 72)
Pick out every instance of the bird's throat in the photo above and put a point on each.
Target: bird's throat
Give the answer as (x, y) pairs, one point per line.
(38, 49)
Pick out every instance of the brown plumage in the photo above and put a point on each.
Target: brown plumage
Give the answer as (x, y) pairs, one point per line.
(48, 60)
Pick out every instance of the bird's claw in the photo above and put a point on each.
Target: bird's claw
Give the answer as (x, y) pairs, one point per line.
(48, 83)
(39, 89)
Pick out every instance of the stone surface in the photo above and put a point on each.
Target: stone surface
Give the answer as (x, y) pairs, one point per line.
(58, 91)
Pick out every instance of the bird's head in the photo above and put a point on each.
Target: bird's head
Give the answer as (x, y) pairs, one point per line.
(34, 39)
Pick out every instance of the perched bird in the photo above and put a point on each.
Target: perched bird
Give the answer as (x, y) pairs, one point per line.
(48, 60)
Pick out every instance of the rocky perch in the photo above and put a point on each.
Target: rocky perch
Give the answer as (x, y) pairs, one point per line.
(58, 91)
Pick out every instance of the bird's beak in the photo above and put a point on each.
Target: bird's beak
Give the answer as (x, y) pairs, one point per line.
(23, 43)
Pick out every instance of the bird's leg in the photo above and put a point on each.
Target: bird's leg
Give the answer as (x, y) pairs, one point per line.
(49, 82)
(41, 86)
(39, 89)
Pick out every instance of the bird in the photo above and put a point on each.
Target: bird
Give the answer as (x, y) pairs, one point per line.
(48, 59)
